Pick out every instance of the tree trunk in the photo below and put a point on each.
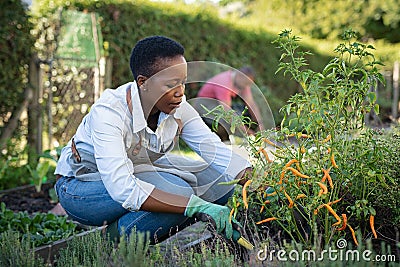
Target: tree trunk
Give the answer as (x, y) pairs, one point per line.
(35, 113)
(12, 123)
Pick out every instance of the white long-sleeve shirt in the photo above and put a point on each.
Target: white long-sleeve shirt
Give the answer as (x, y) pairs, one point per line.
(109, 130)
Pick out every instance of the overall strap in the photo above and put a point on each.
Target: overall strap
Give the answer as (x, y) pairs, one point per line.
(129, 102)
(129, 99)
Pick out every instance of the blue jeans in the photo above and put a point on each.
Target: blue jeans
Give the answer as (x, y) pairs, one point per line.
(89, 203)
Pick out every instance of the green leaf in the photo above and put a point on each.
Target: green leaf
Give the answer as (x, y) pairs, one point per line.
(376, 109)
(230, 182)
(372, 97)
(42, 168)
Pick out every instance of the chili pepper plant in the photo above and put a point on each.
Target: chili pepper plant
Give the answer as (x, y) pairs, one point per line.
(314, 176)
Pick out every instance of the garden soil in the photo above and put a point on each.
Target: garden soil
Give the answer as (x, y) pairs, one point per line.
(26, 198)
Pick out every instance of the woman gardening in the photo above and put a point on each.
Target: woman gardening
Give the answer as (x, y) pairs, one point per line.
(116, 170)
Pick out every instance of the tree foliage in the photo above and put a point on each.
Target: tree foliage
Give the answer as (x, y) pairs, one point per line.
(203, 34)
(16, 45)
(323, 19)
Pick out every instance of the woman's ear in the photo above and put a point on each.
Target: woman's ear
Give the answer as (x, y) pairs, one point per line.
(140, 80)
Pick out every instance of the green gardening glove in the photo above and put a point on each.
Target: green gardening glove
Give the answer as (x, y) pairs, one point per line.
(206, 212)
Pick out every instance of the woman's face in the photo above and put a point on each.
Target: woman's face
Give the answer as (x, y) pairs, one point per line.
(164, 90)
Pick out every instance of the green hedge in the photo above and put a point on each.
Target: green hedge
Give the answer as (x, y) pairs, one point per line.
(203, 34)
(16, 45)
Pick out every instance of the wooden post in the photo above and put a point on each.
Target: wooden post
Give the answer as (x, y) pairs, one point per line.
(108, 73)
(395, 103)
(35, 119)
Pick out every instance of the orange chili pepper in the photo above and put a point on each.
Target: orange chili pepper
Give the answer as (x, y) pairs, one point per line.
(244, 193)
(299, 183)
(298, 166)
(354, 235)
(327, 176)
(329, 150)
(230, 214)
(316, 210)
(291, 203)
(291, 162)
(265, 154)
(270, 143)
(282, 176)
(324, 189)
(304, 136)
(329, 204)
(300, 196)
(344, 223)
(329, 208)
(333, 161)
(327, 139)
(333, 202)
(371, 223)
(302, 150)
(266, 220)
(268, 195)
(263, 206)
(297, 173)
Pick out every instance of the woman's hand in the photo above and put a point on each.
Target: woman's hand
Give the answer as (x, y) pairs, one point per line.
(245, 175)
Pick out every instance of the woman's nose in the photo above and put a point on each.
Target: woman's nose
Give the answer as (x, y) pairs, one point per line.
(180, 90)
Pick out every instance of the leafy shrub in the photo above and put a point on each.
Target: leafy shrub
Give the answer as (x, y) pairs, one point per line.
(40, 229)
(16, 45)
(328, 169)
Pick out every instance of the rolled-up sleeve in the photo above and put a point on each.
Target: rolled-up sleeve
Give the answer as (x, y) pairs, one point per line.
(116, 169)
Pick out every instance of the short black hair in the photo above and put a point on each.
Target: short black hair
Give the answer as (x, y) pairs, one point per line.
(149, 50)
(248, 70)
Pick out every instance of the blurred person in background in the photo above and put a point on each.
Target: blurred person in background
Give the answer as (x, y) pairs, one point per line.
(232, 89)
